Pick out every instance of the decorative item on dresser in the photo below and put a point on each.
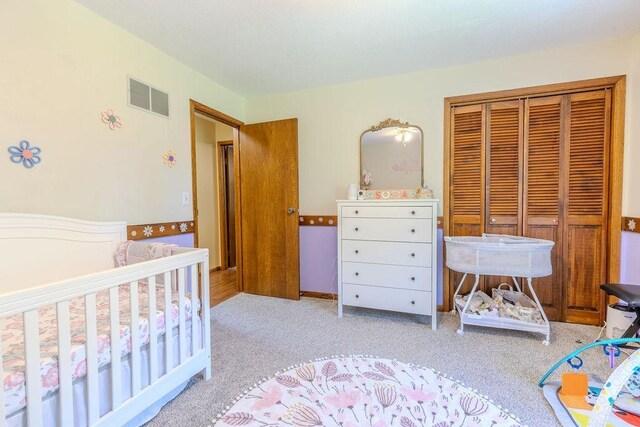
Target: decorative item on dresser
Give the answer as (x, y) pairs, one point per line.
(387, 255)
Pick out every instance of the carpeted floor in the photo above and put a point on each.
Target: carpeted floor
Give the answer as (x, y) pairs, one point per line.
(253, 337)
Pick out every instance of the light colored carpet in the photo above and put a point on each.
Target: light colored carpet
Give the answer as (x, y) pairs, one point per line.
(253, 337)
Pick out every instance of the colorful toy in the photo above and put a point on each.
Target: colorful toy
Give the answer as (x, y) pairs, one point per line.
(581, 400)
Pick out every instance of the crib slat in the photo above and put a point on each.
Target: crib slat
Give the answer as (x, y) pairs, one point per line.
(168, 322)
(32, 363)
(181, 325)
(153, 332)
(2, 414)
(64, 363)
(92, 356)
(135, 339)
(195, 330)
(206, 316)
(116, 351)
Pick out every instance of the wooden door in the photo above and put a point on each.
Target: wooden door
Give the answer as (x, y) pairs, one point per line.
(269, 205)
(230, 204)
(542, 199)
(466, 185)
(586, 189)
(503, 176)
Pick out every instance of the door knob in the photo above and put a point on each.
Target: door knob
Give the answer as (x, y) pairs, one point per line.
(291, 210)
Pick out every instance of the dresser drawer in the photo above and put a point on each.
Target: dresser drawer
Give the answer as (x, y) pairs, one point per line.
(395, 230)
(390, 276)
(387, 212)
(407, 301)
(415, 254)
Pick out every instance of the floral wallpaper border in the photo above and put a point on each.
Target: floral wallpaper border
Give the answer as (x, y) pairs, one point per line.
(147, 231)
(324, 220)
(332, 220)
(630, 223)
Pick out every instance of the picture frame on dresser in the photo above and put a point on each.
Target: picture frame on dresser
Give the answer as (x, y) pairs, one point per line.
(387, 255)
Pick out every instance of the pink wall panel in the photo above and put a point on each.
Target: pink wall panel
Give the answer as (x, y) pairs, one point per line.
(630, 258)
(318, 263)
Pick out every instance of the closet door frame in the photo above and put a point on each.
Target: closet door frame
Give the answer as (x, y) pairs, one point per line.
(617, 85)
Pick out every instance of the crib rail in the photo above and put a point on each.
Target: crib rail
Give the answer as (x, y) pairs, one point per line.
(186, 271)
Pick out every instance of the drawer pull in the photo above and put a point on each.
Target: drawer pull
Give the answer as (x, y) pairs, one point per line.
(357, 296)
(413, 255)
(356, 228)
(413, 279)
(413, 302)
(357, 274)
(413, 230)
(356, 212)
(356, 251)
(413, 212)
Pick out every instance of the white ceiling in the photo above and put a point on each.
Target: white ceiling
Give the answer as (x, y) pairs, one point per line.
(266, 46)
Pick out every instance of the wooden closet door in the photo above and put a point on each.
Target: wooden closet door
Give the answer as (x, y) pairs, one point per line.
(466, 185)
(586, 189)
(542, 207)
(503, 179)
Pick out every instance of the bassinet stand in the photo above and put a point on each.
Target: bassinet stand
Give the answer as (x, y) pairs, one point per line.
(499, 322)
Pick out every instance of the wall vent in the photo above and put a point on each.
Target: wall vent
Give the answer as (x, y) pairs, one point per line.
(148, 98)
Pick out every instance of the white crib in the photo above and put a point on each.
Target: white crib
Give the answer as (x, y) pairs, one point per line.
(52, 264)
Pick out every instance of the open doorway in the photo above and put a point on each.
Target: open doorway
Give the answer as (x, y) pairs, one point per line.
(226, 198)
(262, 214)
(214, 137)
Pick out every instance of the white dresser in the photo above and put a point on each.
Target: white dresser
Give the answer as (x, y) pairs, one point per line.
(387, 255)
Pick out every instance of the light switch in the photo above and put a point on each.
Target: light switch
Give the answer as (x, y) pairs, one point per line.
(186, 198)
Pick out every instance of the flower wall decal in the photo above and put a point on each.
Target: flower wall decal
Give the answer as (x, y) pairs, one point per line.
(169, 158)
(110, 118)
(26, 154)
(148, 231)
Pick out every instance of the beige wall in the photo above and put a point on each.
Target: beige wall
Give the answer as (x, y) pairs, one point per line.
(332, 118)
(61, 66)
(208, 215)
(224, 132)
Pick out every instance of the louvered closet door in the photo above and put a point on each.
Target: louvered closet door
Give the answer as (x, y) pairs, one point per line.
(504, 130)
(586, 188)
(466, 176)
(542, 216)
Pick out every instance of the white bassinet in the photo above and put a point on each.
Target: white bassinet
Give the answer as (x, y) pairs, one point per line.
(499, 255)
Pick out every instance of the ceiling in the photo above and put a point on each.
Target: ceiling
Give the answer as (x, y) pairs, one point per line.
(266, 46)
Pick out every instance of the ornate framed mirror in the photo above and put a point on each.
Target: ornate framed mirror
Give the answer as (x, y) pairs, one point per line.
(392, 156)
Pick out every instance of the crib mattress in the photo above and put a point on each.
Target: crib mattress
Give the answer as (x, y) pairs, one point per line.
(13, 339)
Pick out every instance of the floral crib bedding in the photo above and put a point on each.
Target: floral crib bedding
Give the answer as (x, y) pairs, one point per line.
(13, 339)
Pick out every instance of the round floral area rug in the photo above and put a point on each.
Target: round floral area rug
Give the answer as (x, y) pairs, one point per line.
(358, 391)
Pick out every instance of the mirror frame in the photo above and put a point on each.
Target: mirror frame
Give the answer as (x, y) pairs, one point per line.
(393, 123)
